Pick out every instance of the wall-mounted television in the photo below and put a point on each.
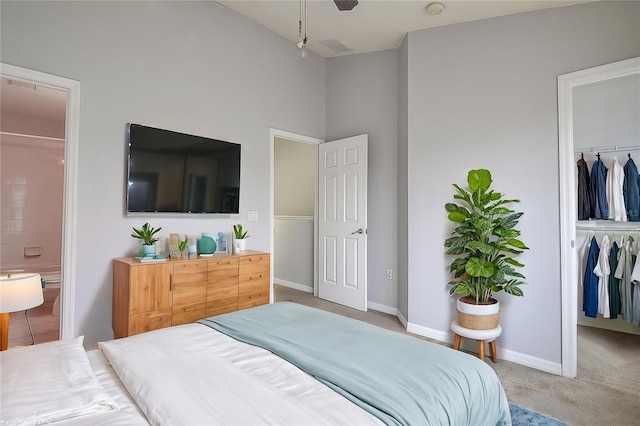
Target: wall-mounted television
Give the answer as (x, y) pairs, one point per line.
(172, 172)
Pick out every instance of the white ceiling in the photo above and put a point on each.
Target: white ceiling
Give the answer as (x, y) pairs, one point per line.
(373, 24)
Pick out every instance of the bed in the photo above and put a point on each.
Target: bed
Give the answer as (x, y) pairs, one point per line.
(282, 364)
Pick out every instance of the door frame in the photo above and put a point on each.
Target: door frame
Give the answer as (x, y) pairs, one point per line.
(569, 274)
(283, 134)
(70, 191)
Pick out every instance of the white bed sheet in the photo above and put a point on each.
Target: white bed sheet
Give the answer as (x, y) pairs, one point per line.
(48, 383)
(128, 415)
(192, 374)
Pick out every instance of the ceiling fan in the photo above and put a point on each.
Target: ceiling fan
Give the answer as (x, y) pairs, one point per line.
(346, 4)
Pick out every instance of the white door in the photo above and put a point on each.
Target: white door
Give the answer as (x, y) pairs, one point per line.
(342, 221)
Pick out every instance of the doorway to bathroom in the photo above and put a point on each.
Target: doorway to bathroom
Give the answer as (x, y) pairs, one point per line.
(38, 140)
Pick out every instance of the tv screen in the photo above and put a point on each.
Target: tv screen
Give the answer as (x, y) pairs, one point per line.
(171, 172)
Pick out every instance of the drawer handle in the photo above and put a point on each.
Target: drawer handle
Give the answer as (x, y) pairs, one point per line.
(190, 310)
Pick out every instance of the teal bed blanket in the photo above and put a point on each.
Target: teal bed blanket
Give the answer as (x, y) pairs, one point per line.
(400, 379)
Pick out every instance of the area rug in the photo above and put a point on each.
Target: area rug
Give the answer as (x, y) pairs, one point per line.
(521, 416)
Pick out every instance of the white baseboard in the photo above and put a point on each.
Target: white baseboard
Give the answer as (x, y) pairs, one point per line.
(430, 333)
(402, 319)
(382, 308)
(505, 354)
(530, 361)
(295, 286)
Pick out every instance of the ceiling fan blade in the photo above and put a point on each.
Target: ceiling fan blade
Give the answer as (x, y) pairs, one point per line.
(346, 4)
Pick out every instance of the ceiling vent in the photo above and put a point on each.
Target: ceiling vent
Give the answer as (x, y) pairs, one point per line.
(335, 45)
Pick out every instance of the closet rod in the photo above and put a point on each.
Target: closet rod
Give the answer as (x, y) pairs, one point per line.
(606, 228)
(614, 148)
(25, 135)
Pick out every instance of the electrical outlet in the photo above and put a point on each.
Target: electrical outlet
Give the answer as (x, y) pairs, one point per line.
(389, 273)
(253, 215)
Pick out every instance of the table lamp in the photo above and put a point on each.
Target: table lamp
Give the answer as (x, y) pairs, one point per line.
(18, 292)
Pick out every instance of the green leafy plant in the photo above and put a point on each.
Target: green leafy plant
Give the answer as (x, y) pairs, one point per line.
(182, 245)
(484, 241)
(146, 234)
(238, 233)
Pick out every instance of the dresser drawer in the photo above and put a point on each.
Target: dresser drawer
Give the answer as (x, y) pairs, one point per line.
(253, 290)
(223, 264)
(256, 263)
(189, 313)
(148, 321)
(189, 272)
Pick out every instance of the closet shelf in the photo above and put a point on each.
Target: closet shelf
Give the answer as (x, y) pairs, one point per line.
(607, 225)
(603, 149)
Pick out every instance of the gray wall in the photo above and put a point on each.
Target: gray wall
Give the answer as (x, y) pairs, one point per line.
(192, 67)
(362, 96)
(484, 95)
(607, 113)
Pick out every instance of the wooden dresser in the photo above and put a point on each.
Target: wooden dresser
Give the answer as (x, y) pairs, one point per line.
(152, 295)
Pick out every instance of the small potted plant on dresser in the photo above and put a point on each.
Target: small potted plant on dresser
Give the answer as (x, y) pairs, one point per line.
(239, 239)
(148, 236)
(483, 241)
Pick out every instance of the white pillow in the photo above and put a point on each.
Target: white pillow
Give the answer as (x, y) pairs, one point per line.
(49, 382)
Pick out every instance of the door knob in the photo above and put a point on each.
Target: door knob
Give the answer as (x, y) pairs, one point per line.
(359, 231)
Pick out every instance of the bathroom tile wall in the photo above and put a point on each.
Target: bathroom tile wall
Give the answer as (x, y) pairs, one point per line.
(31, 197)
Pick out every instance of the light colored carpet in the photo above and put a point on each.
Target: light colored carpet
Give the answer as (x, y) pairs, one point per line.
(606, 392)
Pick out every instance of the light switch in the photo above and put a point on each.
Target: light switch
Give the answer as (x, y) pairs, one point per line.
(253, 215)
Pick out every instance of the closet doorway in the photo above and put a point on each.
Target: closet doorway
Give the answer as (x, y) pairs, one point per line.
(618, 139)
(294, 160)
(60, 265)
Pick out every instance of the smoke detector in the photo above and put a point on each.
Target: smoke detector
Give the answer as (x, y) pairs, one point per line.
(435, 8)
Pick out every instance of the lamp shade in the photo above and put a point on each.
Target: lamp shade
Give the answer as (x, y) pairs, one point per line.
(20, 291)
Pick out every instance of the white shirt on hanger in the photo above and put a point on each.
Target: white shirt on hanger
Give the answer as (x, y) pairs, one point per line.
(615, 195)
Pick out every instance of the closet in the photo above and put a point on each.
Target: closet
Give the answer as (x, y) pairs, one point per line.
(605, 288)
(598, 114)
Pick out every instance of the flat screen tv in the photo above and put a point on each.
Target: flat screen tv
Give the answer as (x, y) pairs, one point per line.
(171, 172)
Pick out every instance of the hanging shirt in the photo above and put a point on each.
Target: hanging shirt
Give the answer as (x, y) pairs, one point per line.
(614, 283)
(635, 309)
(631, 191)
(615, 193)
(634, 294)
(584, 202)
(598, 191)
(623, 273)
(590, 282)
(602, 271)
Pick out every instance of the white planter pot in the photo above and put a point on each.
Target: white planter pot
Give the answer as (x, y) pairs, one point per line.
(239, 245)
(478, 317)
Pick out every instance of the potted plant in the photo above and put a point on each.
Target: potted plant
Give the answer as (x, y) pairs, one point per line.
(239, 238)
(182, 246)
(147, 235)
(484, 242)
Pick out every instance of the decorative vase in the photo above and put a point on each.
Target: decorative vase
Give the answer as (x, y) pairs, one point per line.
(239, 245)
(148, 250)
(477, 317)
(206, 246)
(174, 242)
